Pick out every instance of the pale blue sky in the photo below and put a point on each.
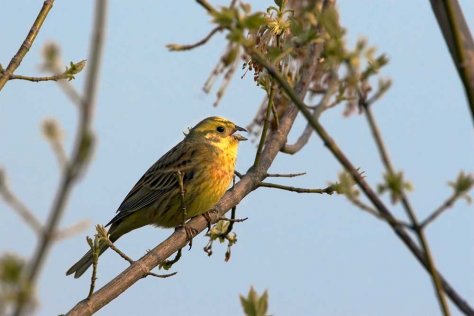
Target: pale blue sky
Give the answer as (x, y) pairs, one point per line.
(317, 255)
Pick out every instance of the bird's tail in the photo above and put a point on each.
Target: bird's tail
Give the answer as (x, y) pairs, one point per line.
(84, 263)
(117, 229)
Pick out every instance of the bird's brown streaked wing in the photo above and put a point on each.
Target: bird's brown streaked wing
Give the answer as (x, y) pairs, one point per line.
(160, 179)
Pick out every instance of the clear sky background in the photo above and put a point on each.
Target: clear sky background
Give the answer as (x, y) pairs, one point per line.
(317, 255)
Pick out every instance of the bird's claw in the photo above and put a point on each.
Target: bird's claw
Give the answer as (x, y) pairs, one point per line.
(190, 233)
(208, 219)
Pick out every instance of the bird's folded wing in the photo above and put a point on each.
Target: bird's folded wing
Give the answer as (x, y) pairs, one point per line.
(161, 179)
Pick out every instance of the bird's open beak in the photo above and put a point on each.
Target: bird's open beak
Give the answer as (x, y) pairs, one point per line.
(239, 137)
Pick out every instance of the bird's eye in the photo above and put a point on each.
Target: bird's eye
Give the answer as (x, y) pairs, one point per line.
(220, 129)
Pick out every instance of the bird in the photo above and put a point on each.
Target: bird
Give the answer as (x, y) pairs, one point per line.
(185, 182)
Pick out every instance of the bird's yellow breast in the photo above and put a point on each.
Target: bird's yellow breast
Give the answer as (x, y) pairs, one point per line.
(216, 177)
(211, 180)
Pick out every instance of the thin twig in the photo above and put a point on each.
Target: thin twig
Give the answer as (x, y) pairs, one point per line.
(63, 76)
(285, 175)
(118, 251)
(231, 221)
(72, 230)
(124, 256)
(266, 123)
(27, 43)
(361, 205)
(180, 47)
(59, 152)
(18, 206)
(71, 92)
(408, 208)
(442, 208)
(329, 190)
(95, 259)
(206, 6)
(308, 130)
(161, 276)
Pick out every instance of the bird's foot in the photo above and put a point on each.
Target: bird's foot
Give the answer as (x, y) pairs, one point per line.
(190, 233)
(207, 217)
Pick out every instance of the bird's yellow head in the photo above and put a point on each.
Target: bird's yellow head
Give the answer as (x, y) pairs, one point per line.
(218, 130)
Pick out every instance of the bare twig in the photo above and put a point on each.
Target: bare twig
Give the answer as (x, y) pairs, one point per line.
(180, 48)
(442, 208)
(62, 76)
(71, 230)
(71, 92)
(118, 251)
(59, 153)
(266, 122)
(408, 208)
(308, 130)
(30, 219)
(206, 6)
(231, 221)
(53, 134)
(105, 238)
(95, 247)
(371, 195)
(361, 205)
(329, 190)
(18, 206)
(27, 43)
(285, 175)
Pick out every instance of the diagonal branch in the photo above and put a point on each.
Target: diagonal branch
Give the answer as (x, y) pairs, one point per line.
(180, 48)
(441, 209)
(58, 77)
(308, 130)
(18, 206)
(363, 185)
(26, 45)
(328, 190)
(407, 206)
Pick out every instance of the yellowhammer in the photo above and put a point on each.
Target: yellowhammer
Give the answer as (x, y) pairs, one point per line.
(202, 164)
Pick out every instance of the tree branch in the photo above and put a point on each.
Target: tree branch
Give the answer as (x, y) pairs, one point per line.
(407, 206)
(180, 48)
(442, 208)
(18, 206)
(206, 6)
(285, 175)
(26, 45)
(308, 131)
(328, 190)
(363, 185)
(62, 76)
